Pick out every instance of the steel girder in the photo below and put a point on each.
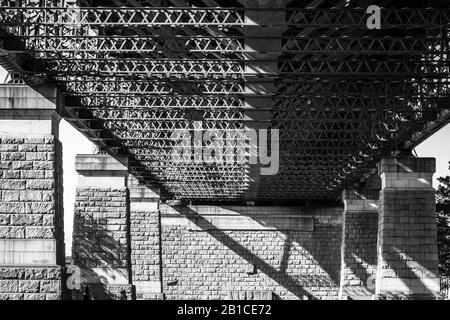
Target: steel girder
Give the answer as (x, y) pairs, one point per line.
(236, 69)
(77, 47)
(341, 95)
(32, 18)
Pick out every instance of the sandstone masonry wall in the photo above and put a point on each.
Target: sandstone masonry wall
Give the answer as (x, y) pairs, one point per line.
(407, 232)
(30, 283)
(31, 201)
(214, 263)
(145, 255)
(145, 249)
(360, 252)
(407, 237)
(100, 237)
(30, 208)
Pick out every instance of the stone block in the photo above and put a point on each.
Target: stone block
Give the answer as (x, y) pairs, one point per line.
(26, 220)
(13, 184)
(34, 296)
(5, 219)
(12, 232)
(40, 184)
(29, 286)
(10, 196)
(50, 286)
(9, 286)
(40, 232)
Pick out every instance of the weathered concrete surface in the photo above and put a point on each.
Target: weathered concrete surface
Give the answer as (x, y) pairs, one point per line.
(101, 170)
(25, 112)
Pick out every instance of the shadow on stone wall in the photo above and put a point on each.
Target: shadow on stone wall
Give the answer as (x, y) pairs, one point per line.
(100, 258)
(360, 255)
(298, 284)
(363, 267)
(412, 275)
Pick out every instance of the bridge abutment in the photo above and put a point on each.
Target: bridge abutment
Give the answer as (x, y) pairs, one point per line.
(407, 243)
(101, 236)
(31, 191)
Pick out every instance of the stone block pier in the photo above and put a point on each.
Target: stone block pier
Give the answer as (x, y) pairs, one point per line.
(380, 243)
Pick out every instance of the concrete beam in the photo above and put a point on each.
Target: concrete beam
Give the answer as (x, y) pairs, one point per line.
(101, 171)
(144, 199)
(28, 252)
(25, 111)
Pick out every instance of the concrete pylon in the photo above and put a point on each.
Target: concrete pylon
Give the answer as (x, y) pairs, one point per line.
(31, 212)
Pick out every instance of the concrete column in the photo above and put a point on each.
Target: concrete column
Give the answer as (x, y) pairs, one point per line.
(31, 212)
(146, 242)
(407, 244)
(101, 226)
(359, 244)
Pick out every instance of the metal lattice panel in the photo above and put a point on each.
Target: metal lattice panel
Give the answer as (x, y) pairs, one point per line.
(133, 73)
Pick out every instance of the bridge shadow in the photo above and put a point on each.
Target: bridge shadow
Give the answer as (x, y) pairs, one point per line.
(412, 274)
(97, 253)
(360, 256)
(322, 261)
(363, 266)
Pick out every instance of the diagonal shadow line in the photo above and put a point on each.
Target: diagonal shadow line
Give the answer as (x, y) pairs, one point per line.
(362, 273)
(400, 265)
(281, 278)
(286, 249)
(315, 248)
(88, 252)
(360, 249)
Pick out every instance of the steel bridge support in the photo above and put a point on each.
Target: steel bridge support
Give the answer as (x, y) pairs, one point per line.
(31, 212)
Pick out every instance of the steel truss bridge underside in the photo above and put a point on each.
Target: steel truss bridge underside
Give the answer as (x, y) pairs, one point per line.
(132, 72)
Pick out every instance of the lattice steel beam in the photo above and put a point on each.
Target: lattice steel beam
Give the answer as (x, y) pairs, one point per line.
(407, 18)
(74, 47)
(236, 69)
(341, 96)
